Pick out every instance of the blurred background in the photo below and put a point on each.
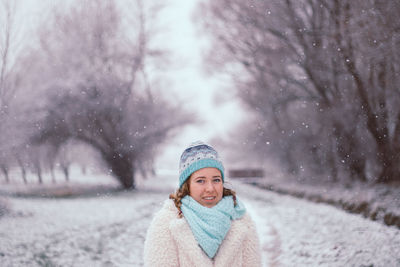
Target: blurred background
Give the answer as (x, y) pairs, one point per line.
(98, 99)
(309, 87)
(112, 85)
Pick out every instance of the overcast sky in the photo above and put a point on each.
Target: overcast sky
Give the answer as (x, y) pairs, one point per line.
(201, 92)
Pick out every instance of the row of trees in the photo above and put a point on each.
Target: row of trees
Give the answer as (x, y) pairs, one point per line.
(9, 81)
(321, 77)
(38, 160)
(86, 79)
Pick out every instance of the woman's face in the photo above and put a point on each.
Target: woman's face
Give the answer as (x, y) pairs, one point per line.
(206, 186)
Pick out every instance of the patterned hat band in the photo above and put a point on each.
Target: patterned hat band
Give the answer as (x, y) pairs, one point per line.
(198, 156)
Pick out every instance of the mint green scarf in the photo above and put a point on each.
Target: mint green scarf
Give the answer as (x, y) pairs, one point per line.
(210, 225)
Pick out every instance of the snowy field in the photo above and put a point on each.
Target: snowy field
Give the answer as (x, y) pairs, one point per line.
(109, 229)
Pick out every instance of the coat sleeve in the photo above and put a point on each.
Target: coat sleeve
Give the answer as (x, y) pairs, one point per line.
(159, 246)
(251, 247)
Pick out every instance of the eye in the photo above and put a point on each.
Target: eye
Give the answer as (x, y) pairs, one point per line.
(217, 180)
(200, 181)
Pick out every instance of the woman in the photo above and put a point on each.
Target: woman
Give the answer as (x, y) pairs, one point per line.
(203, 223)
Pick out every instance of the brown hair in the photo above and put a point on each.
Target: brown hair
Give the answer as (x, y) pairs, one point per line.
(184, 191)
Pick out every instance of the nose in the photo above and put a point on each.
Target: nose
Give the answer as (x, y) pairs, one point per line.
(209, 187)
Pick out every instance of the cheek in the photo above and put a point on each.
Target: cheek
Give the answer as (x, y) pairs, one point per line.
(194, 189)
(220, 189)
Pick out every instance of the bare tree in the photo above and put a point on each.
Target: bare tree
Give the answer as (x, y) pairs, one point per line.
(23, 165)
(97, 90)
(9, 80)
(6, 45)
(35, 160)
(321, 75)
(64, 160)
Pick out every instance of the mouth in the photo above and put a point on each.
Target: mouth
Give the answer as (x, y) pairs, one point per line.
(209, 198)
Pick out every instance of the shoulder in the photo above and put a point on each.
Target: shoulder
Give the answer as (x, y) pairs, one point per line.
(245, 227)
(158, 232)
(159, 247)
(167, 213)
(169, 208)
(245, 222)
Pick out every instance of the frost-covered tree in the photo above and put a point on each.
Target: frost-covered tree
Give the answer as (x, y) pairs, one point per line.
(322, 78)
(92, 63)
(8, 45)
(10, 77)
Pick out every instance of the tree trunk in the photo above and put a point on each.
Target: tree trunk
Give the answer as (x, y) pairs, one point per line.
(5, 172)
(332, 166)
(357, 168)
(348, 152)
(39, 174)
(53, 177)
(390, 165)
(389, 173)
(23, 171)
(122, 169)
(83, 169)
(66, 172)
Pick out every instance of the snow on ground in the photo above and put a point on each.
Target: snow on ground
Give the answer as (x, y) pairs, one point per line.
(89, 231)
(378, 202)
(295, 232)
(109, 230)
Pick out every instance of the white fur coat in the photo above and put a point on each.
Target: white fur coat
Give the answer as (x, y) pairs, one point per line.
(170, 242)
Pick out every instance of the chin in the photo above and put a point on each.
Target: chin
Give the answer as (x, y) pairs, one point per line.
(209, 205)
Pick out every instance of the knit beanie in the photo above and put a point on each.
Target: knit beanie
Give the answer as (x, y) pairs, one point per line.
(198, 156)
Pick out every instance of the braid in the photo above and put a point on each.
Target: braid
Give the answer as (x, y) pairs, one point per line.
(184, 191)
(178, 195)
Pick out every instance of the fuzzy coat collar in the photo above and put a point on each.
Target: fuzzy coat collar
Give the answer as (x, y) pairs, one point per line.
(185, 241)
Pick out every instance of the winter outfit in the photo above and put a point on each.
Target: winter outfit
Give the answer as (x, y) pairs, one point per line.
(210, 225)
(170, 242)
(223, 235)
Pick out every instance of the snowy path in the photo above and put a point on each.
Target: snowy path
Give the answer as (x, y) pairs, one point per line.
(110, 230)
(299, 233)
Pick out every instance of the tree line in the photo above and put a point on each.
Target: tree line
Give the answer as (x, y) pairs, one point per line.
(84, 77)
(321, 78)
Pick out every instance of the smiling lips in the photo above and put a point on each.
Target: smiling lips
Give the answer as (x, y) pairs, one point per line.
(209, 198)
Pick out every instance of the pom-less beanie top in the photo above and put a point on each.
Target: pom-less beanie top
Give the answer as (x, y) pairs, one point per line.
(198, 156)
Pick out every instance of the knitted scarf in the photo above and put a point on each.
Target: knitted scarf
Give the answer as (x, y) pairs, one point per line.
(210, 225)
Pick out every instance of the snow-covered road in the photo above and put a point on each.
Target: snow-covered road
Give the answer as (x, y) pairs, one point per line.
(295, 232)
(109, 230)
